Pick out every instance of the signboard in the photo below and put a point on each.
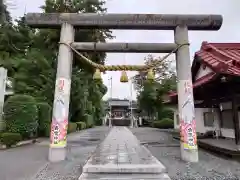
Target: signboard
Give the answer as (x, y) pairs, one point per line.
(187, 116)
(125, 21)
(188, 135)
(60, 114)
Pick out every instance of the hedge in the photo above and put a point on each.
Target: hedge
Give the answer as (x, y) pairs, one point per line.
(72, 127)
(10, 139)
(165, 123)
(81, 125)
(44, 119)
(21, 115)
(166, 113)
(89, 120)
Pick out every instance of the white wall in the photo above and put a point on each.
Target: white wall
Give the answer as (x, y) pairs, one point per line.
(227, 132)
(200, 120)
(199, 114)
(202, 72)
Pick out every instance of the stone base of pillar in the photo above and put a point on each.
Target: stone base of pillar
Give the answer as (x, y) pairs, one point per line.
(189, 155)
(238, 147)
(57, 154)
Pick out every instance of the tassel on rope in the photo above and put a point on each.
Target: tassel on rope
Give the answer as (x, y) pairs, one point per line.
(150, 75)
(97, 75)
(124, 77)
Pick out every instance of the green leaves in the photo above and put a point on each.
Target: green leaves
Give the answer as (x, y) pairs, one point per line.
(30, 55)
(150, 94)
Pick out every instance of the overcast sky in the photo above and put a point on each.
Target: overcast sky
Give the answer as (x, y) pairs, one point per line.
(230, 31)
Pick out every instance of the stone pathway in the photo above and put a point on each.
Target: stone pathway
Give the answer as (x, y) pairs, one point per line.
(121, 154)
(210, 166)
(30, 162)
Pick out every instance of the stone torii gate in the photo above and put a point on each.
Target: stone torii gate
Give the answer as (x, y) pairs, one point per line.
(179, 23)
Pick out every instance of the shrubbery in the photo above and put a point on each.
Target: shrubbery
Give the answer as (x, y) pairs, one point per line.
(72, 127)
(44, 119)
(25, 118)
(10, 139)
(89, 120)
(81, 125)
(166, 113)
(165, 123)
(21, 115)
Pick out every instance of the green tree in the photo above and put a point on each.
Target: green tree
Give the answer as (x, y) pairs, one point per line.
(164, 71)
(151, 93)
(30, 55)
(84, 89)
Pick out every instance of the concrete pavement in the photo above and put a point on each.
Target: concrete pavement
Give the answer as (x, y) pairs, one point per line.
(30, 162)
(167, 150)
(120, 156)
(22, 162)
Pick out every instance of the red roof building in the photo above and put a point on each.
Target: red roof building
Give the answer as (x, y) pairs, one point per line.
(217, 60)
(216, 89)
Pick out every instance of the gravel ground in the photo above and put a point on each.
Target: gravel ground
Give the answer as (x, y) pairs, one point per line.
(167, 150)
(30, 162)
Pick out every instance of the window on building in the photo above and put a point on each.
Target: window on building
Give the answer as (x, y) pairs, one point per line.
(227, 119)
(208, 119)
(177, 119)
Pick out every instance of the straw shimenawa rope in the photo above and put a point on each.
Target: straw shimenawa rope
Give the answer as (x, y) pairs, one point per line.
(123, 67)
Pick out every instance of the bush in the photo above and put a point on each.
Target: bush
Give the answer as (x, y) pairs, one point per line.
(72, 127)
(1, 136)
(166, 113)
(44, 119)
(10, 139)
(81, 125)
(165, 123)
(21, 114)
(89, 120)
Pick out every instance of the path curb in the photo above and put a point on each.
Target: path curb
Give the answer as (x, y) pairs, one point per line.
(19, 144)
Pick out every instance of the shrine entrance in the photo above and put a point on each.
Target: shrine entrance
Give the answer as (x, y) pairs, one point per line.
(180, 24)
(120, 113)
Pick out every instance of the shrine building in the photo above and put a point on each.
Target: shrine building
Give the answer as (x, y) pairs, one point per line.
(216, 89)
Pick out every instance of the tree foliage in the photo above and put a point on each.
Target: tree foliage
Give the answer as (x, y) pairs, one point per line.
(30, 55)
(150, 94)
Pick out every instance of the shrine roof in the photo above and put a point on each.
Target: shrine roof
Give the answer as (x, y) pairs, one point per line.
(221, 58)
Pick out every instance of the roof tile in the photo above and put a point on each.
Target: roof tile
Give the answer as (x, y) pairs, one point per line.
(222, 58)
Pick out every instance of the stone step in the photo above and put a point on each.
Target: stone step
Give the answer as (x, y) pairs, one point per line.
(89, 176)
(122, 153)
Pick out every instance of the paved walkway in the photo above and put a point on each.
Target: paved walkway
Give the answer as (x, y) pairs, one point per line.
(121, 153)
(167, 150)
(30, 162)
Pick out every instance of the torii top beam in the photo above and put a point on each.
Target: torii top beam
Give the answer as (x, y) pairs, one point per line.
(125, 21)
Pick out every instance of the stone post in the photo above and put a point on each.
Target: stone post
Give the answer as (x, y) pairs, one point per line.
(189, 150)
(57, 150)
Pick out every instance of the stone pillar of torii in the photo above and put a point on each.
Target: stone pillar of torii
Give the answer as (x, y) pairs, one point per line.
(180, 24)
